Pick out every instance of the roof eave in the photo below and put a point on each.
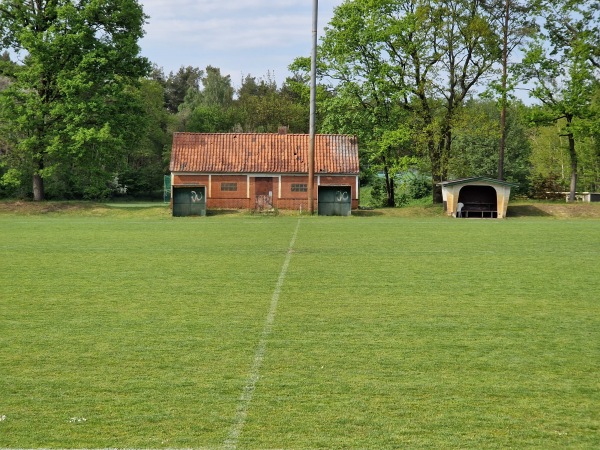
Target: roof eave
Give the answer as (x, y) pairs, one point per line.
(475, 180)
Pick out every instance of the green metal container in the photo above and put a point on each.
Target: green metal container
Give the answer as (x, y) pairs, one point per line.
(335, 200)
(189, 201)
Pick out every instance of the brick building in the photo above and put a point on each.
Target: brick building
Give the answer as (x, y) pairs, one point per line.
(263, 171)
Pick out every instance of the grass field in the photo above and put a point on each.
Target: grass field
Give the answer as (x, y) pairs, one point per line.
(127, 328)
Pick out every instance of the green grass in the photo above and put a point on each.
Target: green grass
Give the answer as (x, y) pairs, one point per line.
(412, 332)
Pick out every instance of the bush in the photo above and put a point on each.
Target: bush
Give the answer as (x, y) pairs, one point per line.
(546, 187)
(417, 186)
(408, 188)
(378, 193)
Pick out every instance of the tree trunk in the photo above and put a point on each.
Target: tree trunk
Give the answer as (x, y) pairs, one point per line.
(38, 188)
(573, 155)
(436, 172)
(38, 183)
(504, 93)
(441, 155)
(389, 188)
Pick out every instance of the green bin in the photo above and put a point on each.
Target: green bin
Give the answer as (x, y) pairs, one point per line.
(189, 201)
(335, 200)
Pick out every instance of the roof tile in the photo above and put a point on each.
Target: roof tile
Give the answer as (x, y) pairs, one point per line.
(262, 153)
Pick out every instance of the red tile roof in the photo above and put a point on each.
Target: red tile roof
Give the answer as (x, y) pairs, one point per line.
(262, 153)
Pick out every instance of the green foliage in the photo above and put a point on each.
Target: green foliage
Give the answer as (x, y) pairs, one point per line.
(388, 56)
(416, 186)
(562, 68)
(263, 107)
(209, 119)
(550, 156)
(409, 186)
(71, 108)
(546, 187)
(475, 143)
(179, 84)
(378, 194)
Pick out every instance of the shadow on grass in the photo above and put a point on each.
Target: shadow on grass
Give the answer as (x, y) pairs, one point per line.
(366, 213)
(526, 211)
(136, 205)
(224, 212)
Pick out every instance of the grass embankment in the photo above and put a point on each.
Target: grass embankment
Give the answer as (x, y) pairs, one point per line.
(125, 327)
(156, 210)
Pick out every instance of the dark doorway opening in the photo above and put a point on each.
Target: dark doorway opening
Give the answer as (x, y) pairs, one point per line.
(478, 201)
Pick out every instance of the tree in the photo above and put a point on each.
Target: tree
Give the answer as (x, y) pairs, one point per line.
(147, 161)
(208, 110)
(72, 107)
(517, 22)
(425, 56)
(562, 68)
(262, 107)
(177, 86)
(217, 89)
(550, 152)
(475, 143)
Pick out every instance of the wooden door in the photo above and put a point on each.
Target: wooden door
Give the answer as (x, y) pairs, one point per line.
(263, 191)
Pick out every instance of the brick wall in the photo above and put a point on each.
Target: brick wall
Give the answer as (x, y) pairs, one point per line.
(200, 180)
(238, 199)
(217, 182)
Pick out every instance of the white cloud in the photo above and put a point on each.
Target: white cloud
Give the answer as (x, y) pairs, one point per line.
(249, 36)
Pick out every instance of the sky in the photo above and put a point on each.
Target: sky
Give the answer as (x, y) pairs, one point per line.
(240, 37)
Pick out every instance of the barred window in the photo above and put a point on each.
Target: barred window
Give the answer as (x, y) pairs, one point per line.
(299, 187)
(231, 187)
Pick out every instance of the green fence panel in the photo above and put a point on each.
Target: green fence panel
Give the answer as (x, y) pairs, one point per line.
(167, 189)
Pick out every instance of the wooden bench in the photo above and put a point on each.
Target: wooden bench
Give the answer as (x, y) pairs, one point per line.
(479, 209)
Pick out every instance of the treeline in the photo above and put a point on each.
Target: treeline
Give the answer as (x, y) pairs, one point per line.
(191, 99)
(434, 91)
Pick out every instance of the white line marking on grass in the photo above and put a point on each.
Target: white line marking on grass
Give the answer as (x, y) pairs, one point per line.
(248, 392)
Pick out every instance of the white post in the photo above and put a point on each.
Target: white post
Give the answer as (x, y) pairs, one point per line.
(313, 101)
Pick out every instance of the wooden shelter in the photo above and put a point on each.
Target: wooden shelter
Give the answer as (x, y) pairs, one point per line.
(263, 171)
(476, 197)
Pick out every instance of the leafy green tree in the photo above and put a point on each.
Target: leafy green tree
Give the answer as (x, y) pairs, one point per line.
(561, 68)
(262, 107)
(72, 107)
(386, 138)
(7, 70)
(517, 22)
(208, 109)
(147, 161)
(475, 143)
(550, 158)
(178, 84)
(217, 89)
(425, 56)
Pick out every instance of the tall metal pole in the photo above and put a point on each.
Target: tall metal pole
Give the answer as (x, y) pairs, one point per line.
(313, 103)
(504, 93)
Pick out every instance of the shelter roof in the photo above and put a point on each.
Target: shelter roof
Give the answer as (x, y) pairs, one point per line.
(263, 153)
(475, 180)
